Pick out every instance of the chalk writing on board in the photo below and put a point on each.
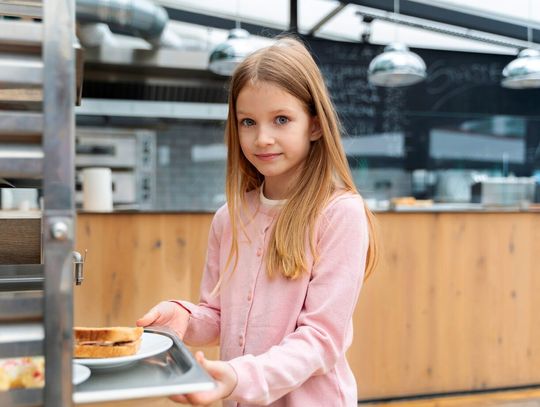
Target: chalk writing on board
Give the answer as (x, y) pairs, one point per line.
(442, 76)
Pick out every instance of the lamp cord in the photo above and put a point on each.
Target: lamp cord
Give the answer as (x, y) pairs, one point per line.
(529, 25)
(396, 26)
(237, 22)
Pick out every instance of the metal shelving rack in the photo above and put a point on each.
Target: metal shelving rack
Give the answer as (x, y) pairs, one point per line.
(37, 60)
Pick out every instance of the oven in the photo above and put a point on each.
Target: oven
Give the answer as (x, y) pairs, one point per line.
(129, 153)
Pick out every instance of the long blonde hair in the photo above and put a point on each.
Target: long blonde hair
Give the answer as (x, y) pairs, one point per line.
(289, 65)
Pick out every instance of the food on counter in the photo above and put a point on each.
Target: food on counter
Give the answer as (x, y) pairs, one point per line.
(20, 373)
(106, 342)
(410, 201)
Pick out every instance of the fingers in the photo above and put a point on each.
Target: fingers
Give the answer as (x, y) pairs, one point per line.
(179, 398)
(148, 318)
(192, 399)
(222, 373)
(199, 356)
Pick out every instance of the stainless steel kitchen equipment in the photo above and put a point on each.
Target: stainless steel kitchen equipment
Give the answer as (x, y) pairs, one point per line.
(37, 99)
(130, 153)
(501, 191)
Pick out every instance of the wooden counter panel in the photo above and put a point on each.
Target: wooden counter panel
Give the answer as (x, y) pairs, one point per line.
(133, 262)
(451, 307)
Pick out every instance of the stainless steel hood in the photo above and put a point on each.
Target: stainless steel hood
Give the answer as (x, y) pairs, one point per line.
(161, 58)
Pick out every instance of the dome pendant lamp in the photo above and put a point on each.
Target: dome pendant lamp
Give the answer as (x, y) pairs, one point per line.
(397, 65)
(524, 71)
(226, 56)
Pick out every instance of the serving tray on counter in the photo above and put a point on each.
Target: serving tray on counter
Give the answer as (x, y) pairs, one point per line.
(174, 371)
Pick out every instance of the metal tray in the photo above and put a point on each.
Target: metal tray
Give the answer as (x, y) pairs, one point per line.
(172, 372)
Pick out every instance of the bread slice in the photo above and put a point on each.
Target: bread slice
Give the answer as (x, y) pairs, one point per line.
(106, 342)
(106, 351)
(108, 334)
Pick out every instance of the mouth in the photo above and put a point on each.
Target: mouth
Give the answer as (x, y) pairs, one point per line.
(267, 156)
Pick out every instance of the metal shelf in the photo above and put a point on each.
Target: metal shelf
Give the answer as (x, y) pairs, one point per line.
(21, 277)
(37, 73)
(21, 339)
(20, 70)
(21, 33)
(20, 123)
(21, 305)
(22, 398)
(22, 8)
(31, 167)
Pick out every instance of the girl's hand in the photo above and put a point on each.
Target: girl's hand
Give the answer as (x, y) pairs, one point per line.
(169, 314)
(225, 378)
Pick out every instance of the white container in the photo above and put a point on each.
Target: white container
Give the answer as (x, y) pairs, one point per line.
(97, 189)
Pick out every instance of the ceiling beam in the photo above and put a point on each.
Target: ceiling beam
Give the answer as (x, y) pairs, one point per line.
(470, 20)
(327, 18)
(220, 22)
(293, 16)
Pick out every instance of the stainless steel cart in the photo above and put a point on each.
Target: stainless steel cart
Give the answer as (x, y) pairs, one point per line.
(38, 90)
(37, 99)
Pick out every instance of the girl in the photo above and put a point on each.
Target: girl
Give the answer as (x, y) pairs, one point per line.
(287, 253)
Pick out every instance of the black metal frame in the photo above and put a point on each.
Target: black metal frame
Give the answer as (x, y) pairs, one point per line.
(505, 28)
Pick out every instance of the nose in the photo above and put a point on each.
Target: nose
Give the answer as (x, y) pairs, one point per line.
(264, 137)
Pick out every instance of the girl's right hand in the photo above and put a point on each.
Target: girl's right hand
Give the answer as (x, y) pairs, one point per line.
(169, 314)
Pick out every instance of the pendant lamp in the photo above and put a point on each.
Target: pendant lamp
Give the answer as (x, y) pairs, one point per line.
(227, 55)
(397, 65)
(524, 71)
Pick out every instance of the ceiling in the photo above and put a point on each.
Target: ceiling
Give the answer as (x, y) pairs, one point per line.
(208, 20)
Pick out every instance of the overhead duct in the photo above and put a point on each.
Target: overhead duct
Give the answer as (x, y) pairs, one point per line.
(139, 18)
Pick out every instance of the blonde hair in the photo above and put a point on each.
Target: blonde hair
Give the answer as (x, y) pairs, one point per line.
(289, 65)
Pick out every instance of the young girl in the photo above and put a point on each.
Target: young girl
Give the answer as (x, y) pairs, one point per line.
(287, 253)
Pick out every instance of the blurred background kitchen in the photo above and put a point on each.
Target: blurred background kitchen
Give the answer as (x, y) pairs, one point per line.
(153, 111)
(440, 107)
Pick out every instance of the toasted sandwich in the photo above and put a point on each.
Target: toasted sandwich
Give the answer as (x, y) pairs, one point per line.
(106, 342)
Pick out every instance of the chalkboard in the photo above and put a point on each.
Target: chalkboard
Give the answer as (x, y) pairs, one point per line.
(457, 82)
(459, 86)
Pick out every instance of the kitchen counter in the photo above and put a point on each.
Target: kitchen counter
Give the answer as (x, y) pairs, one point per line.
(435, 207)
(450, 308)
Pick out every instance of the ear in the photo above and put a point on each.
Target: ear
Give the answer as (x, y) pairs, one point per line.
(315, 131)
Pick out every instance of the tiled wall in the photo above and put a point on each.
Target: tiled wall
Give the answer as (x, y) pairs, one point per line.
(183, 182)
(187, 182)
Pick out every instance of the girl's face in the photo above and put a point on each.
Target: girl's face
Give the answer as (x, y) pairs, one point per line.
(275, 133)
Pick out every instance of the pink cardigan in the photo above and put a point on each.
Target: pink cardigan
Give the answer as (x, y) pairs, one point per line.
(286, 340)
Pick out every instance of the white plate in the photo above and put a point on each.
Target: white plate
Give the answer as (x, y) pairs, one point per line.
(151, 344)
(80, 373)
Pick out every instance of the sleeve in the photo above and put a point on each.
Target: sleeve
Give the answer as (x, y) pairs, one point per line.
(204, 321)
(324, 326)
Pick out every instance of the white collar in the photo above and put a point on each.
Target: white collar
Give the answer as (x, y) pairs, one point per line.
(270, 202)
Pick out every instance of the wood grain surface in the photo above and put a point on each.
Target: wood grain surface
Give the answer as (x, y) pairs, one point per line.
(134, 262)
(451, 307)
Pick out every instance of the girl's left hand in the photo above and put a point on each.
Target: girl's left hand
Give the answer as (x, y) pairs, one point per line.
(225, 378)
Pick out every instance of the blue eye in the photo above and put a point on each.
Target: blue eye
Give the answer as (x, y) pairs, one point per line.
(281, 120)
(247, 122)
